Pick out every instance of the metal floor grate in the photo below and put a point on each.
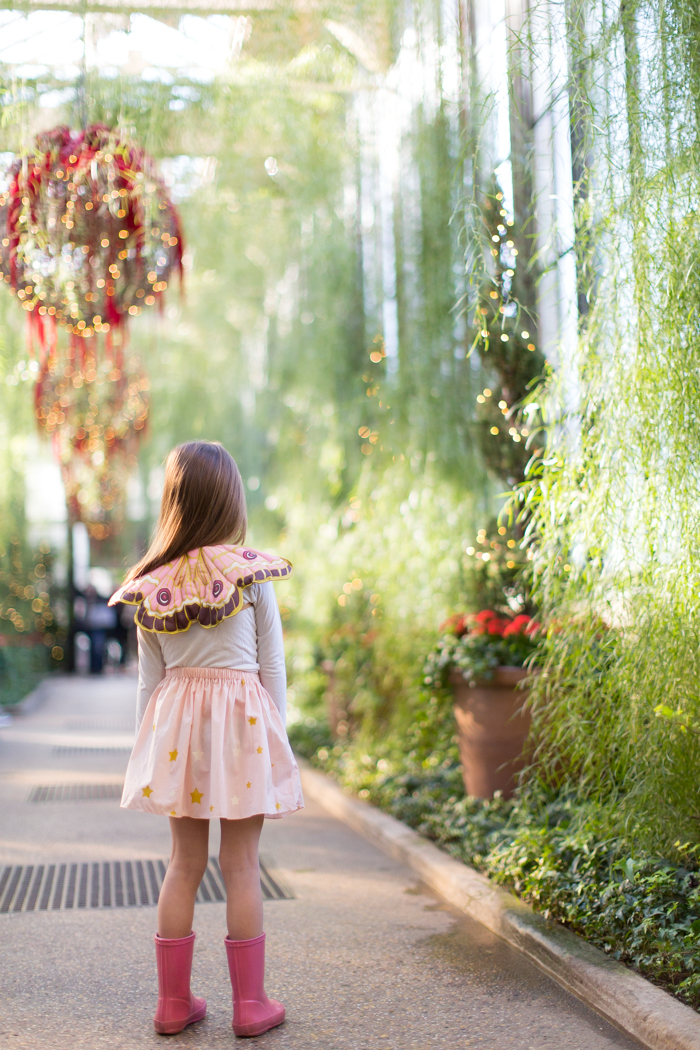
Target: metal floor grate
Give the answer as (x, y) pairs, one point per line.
(74, 792)
(61, 749)
(109, 884)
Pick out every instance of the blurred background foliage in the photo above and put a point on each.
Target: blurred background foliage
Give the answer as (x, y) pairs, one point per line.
(319, 335)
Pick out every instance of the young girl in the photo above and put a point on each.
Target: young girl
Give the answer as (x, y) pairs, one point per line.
(211, 738)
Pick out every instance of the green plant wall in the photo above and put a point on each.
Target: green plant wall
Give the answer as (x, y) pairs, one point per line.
(612, 510)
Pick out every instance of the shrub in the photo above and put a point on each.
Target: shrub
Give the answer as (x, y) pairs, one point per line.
(21, 670)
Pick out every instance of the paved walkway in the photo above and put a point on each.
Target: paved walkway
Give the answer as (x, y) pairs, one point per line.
(363, 956)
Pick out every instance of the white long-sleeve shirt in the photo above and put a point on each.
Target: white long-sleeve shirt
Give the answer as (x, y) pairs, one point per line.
(249, 641)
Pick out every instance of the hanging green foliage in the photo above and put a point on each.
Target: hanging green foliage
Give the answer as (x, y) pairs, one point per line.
(612, 509)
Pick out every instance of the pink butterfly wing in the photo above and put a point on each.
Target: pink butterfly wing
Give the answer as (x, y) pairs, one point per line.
(204, 585)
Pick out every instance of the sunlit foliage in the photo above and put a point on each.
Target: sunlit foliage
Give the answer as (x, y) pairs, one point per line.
(357, 445)
(614, 506)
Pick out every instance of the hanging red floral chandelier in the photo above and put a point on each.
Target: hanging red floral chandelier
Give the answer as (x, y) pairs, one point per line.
(88, 233)
(95, 415)
(88, 238)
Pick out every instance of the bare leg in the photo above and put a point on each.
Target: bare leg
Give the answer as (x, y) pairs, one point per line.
(188, 861)
(238, 858)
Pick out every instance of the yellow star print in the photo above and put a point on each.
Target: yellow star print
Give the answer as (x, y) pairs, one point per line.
(173, 755)
(197, 796)
(248, 784)
(154, 728)
(252, 721)
(147, 792)
(173, 813)
(277, 805)
(234, 800)
(260, 751)
(211, 809)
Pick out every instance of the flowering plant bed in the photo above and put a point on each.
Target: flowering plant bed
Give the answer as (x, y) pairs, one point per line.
(478, 643)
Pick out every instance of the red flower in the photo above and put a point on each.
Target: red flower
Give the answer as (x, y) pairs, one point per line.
(497, 626)
(489, 622)
(454, 624)
(517, 626)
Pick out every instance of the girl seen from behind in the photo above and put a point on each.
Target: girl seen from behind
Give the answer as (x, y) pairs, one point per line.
(211, 739)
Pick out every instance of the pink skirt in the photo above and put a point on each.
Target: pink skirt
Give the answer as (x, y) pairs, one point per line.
(212, 744)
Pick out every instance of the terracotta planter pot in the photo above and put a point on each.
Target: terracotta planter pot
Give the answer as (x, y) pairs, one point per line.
(491, 730)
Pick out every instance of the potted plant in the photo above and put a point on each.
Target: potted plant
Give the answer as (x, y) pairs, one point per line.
(484, 657)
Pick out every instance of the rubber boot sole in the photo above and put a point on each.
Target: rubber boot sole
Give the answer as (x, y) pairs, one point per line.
(173, 1027)
(245, 1031)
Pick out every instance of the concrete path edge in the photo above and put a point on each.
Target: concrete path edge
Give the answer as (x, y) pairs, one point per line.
(637, 1007)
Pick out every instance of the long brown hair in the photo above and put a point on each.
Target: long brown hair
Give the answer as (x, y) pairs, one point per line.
(203, 503)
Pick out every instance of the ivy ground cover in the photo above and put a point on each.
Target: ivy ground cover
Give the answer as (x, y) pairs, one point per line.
(553, 852)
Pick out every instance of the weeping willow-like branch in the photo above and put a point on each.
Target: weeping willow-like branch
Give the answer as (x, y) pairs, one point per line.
(613, 522)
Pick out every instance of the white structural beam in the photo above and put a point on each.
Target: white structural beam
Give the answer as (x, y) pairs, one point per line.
(539, 71)
(181, 7)
(553, 181)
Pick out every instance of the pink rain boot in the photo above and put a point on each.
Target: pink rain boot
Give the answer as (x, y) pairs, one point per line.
(253, 1012)
(177, 1007)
